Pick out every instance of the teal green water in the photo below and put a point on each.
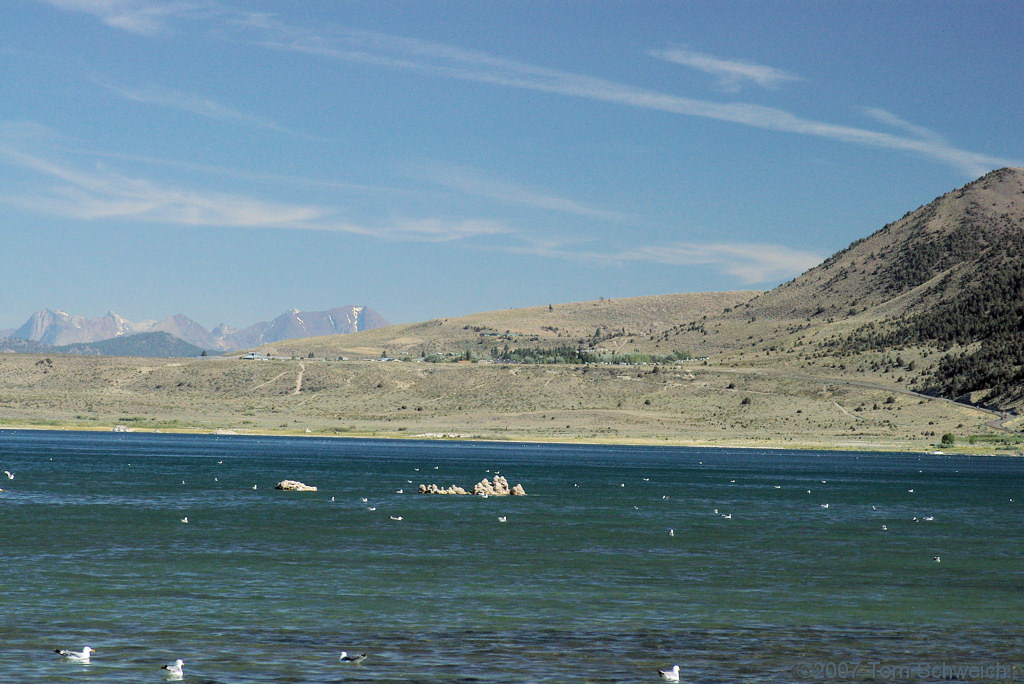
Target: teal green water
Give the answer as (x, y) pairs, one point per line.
(584, 582)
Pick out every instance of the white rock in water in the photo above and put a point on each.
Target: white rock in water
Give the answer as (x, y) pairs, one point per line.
(294, 486)
(483, 488)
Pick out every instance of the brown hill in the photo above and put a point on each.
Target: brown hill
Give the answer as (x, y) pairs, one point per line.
(931, 254)
(936, 297)
(934, 300)
(623, 325)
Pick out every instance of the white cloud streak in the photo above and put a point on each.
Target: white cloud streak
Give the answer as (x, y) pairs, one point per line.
(379, 49)
(889, 119)
(731, 74)
(105, 194)
(468, 65)
(143, 17)
(750, 263)
(471, 181)
(192, 103)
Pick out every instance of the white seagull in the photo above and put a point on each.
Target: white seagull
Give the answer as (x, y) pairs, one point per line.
(351, 659)
(77, 656)
(502, 518)
(185, 520)
(670, 675)
(395, 517)
(9, 474)
(174, 670)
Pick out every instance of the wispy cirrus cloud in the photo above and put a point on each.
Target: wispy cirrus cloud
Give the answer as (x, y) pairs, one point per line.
(750, 263)
(144, 17)
(100, 192)
(894, 121)
(196, 104)
(384, 50)
(446, 61)
(187, 102)
(732, 75)
(472, 181)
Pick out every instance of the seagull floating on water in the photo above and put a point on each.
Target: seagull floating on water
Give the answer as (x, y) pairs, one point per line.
(185, 520)
(395, 517)
(671, 533)
(351, 659)
(936, 559)
(9, 474)
(502, 518)
(670, 675)
(77, 656)
(174, 670)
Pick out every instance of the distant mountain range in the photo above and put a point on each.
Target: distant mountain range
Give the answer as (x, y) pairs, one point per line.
(63, 332)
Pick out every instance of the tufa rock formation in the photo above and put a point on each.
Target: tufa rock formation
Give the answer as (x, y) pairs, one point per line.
(482, 488)
(294, 486)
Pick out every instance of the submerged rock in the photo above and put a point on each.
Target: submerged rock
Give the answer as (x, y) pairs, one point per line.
(483, 488)
(294, 486)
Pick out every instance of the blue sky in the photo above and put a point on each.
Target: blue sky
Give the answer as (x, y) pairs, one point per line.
(230, 160)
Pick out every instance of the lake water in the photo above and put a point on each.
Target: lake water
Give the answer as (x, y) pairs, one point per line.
(584, 582)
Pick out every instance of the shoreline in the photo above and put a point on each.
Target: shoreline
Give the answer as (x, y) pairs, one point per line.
(844, 447)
